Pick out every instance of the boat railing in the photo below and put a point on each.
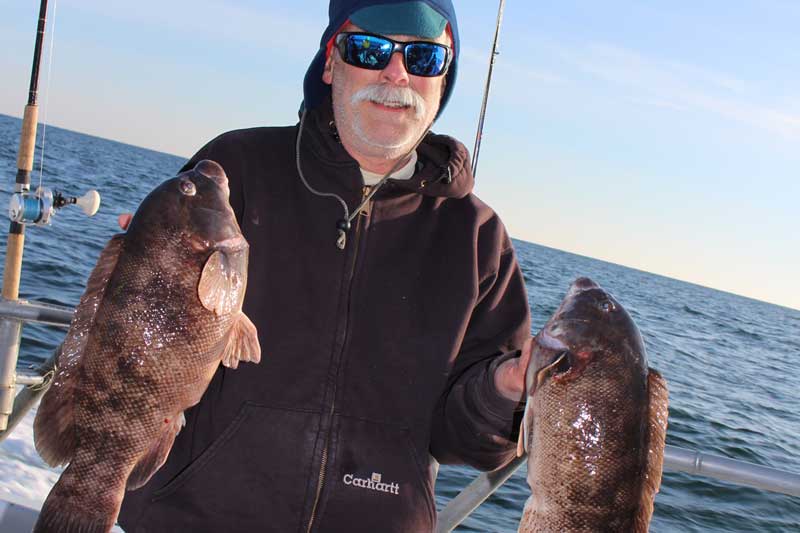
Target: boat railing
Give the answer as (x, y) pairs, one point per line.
(460, 507)
(42, 313)
(13, 314)
(675, 459)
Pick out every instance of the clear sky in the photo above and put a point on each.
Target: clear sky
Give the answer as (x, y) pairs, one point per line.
(663, 136)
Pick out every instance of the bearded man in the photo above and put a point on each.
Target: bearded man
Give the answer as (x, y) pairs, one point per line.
(390, 306)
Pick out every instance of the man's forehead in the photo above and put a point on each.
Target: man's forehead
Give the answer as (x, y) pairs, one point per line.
(444, 38)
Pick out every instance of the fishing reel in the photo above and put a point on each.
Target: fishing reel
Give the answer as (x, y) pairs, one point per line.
(38, 207)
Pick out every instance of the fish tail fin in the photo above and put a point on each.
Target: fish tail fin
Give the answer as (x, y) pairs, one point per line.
(658, 412)
(66, 511)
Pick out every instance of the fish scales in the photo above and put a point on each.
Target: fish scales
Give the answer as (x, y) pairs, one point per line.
(594, 422)
(576, 459)
(161, 310)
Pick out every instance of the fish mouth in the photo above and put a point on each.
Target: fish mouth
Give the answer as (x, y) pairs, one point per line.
(559, 366)
(553, 357)
(217, 216)
(557, 360)
(213, 226)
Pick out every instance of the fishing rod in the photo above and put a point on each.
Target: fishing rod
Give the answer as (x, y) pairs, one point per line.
(27, 208)
(10, 330)
(482, 117)
(675, 459)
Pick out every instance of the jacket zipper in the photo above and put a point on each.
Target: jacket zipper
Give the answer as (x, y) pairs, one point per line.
(324, 460)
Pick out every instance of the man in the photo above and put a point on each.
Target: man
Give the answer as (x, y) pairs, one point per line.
(390, 312)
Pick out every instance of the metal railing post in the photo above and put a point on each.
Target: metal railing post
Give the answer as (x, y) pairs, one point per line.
(10, 334)
(29, 396)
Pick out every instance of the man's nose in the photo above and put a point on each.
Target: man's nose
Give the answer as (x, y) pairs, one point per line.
(395, 72)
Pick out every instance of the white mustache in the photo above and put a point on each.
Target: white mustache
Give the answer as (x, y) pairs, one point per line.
(391, 95)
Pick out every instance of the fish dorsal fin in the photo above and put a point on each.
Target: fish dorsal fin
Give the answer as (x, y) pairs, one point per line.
(53, 428)
(151, 461)
(658, 412)
(221, 287)
(242, 343)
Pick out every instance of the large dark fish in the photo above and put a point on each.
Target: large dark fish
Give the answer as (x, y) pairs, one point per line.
(162, 309)
(595, 420)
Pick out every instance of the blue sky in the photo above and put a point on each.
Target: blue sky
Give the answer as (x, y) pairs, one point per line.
(659, 135)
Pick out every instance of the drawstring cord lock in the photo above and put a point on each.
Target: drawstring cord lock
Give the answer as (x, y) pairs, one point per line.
(342, 227)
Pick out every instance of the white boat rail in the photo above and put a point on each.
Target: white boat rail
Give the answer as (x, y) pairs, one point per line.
(675, 459)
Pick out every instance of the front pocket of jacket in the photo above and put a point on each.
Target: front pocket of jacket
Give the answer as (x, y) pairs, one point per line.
(253, 474)
(375, 481)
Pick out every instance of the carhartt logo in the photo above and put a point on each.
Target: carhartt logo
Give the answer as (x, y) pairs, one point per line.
(372, 483)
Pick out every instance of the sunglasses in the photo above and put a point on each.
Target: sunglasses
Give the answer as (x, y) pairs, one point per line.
(373, 52)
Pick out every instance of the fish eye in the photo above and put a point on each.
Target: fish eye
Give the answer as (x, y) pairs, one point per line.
(607, 306)
(188, 188)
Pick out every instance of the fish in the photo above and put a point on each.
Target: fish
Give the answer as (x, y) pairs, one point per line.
(161, 310)
(595, 420)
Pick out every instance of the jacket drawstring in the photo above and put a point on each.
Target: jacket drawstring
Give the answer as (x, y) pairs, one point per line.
(344, 224)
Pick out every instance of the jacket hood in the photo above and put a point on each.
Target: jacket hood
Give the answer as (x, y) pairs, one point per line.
(315, 90)
(443, 163)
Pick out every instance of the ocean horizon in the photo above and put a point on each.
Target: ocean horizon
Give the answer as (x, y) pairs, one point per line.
(186, 158)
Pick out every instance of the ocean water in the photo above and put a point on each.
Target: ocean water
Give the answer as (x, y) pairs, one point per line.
(731, 362)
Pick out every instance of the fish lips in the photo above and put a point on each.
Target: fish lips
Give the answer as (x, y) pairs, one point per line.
(555, 359)
(214, 228)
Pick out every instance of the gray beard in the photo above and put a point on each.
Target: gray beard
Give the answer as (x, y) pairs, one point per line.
(352, 122)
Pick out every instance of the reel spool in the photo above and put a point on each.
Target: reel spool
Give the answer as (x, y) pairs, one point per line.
(38, 208)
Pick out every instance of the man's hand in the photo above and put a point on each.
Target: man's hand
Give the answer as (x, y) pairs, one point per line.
(509, 379)
(124, 220)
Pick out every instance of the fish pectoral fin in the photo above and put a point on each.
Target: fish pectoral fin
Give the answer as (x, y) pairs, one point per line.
(658, 412)
(53, 427)
(222, 283)
(156, 456)
(242, 343)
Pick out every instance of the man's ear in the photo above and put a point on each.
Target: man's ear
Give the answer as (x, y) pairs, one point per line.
(327, 70)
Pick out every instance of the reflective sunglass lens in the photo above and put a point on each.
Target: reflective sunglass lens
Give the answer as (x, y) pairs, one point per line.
(425, 59)
(368, 52)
